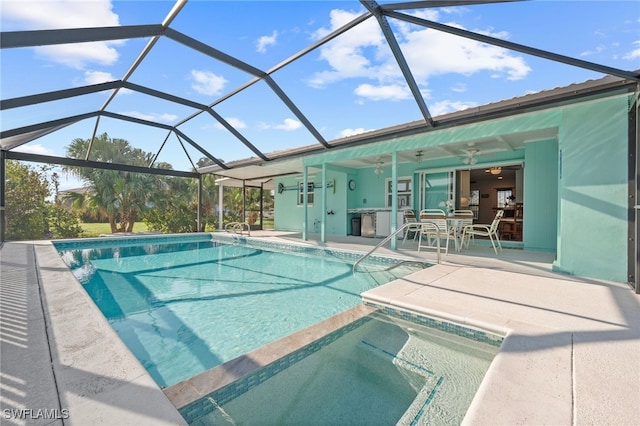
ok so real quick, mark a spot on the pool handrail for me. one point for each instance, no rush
(393, 234)
(238, 226)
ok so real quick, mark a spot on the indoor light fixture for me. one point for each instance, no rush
(378, 170)
(495, 170)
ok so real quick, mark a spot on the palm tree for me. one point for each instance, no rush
(120, 195)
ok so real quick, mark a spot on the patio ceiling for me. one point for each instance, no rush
(475, 148)
(263, 173)
(260, 163)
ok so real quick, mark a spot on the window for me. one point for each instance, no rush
(436, 188)
(474, 203)
(502, 196)
(301, 193)
(475, 197)
(405, 186)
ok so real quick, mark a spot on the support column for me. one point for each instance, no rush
(262, 206)
(244, 202)
(323, 222)
(3, 187)
(220, 207)
(633, 251)
(199, 219)
(394, 198)
(305, 193)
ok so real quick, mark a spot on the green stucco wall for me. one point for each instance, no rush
(289, 215)
(541, 195)
(592, 230)
(575, 185)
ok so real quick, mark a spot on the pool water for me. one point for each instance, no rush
(183, 306)
(379, 370)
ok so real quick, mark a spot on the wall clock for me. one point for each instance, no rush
(352, 184)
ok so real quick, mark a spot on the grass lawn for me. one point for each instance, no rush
(90, 230)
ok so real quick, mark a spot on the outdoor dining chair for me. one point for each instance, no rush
(459, 220)
(433, 227)
(482, 230)
(410, 217)
(512, 226)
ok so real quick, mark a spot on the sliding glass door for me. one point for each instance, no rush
(435, 189)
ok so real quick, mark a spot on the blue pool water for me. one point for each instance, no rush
(186, 304)
(388, 368)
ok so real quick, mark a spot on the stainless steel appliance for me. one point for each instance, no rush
(368, 225)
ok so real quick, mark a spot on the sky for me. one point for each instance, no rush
(348, 86)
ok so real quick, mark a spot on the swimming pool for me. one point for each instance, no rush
(388, 367)
(185, 304)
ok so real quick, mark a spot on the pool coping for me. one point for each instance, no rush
(203, 384)
(97, 378)
(556, 364)
(567, 358)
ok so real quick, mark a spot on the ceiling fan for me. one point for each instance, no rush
(378, 169)
(469, 155)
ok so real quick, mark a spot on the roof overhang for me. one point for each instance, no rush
(292, 161)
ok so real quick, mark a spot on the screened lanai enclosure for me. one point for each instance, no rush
(335, 110)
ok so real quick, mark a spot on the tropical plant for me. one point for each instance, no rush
(119, 195)
(26, 191)
(62, 223)
(171, 208)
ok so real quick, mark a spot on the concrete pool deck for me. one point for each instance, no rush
(571, 354)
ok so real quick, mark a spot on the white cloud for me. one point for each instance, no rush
(236, 123)
(393, 92)
(289, 124)
(598, 49)
(34, 149)
(79, 55)
(363, 53)
(459, 88)
(444, 107)
(207, 83)
(97, 77)
(52, 14)
(352, 132)
(347, 55)
(264, 41)
(163, 117)
(56, 14)
(429, 52)
(635, 53)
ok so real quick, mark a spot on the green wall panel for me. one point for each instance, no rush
(289, 215)
(575, 186)
(593, 190)
(540, 195)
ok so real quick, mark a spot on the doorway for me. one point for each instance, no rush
(495, 188)
(483, 190)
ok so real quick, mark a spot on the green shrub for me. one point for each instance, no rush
(26, 209)
(63, 223)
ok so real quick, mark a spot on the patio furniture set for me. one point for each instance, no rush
(432, 226)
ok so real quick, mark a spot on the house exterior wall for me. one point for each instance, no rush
(592, 226)
(289, 215)
(575, 185)
(540, 229)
